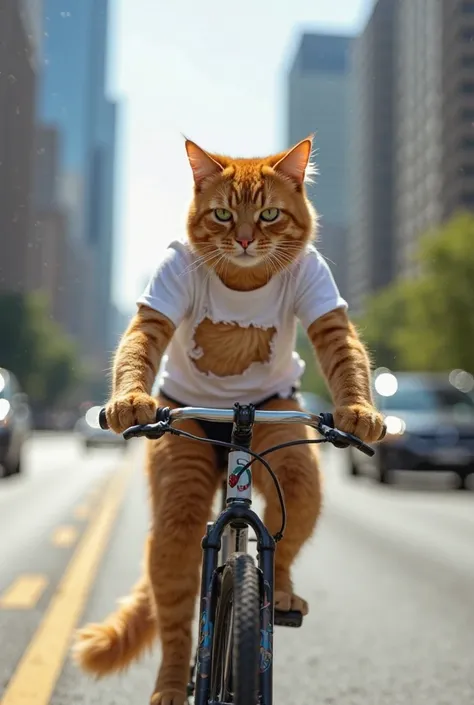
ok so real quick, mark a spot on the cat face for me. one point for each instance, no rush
(250, 217)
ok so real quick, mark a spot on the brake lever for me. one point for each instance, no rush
(150, 430)
(132, 432)
(341, 439)
(360, 445)
(336, 438)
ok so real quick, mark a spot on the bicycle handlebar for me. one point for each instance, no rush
(165, 417)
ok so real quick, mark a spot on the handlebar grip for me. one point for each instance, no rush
(103, 420)
(162, 414)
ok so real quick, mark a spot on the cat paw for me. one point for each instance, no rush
(362, 420)
(129, 410)
(286, 601)
(168, 697)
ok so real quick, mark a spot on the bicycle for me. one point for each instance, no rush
(234, 657)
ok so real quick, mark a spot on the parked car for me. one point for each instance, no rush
(430, 427)
(15, 423)
(91, 435)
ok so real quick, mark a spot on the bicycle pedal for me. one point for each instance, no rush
(293, 618)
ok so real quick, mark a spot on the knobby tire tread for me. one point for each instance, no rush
(240, 582)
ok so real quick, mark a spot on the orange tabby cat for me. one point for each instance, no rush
(225, 304)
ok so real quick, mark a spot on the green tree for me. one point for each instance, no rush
(428, 323)
(382, 322)
(35, 348)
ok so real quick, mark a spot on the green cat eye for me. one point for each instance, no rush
(270, 214)
(223, 214)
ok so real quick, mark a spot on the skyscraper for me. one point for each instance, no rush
(372, 152)
(434, 118)
(74, 101)
(101, 215)
(18, 75)
(318, 100)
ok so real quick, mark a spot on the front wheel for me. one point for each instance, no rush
(236, 647)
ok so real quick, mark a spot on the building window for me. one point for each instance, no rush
(468, 7)
(467, 143)
(467, 34)
(467, 114)
(467, 198)
(467, 61)
(467, 87)
(467, 170)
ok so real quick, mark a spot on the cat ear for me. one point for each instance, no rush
(296, 160)
(202, 164)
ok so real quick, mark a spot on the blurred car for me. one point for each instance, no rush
(15, 423)
(430, 427)
(91, 435)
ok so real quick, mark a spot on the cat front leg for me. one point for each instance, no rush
(346, 366)
(135, 367)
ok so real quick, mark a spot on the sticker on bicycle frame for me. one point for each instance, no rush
(239, 482)
(266, 630)
(205, 638)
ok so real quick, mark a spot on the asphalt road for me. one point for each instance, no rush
(389, 576)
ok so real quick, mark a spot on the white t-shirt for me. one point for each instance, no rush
(187, 293)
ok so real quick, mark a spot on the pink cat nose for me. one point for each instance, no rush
(245, 235)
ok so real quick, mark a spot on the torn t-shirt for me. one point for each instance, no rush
(188, 292)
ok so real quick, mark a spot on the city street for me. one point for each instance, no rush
(389, 577)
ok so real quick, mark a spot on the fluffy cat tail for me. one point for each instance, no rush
(111, 646)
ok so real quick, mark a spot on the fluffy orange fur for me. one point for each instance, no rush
(181, 473)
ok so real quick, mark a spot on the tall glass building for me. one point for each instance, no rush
(318, 102)
(73, 99)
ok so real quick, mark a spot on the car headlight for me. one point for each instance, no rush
(395, 426)
(92, 417)
(5, 407)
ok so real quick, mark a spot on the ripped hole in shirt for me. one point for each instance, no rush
(226, 349)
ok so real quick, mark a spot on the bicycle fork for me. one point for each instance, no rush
(235, 513)
(227, 534)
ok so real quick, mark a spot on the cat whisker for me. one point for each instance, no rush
(273, 262)
(200, 261)
(268, 271)
(281, 260)
(327, 258)
(288, 247)
(221, 257)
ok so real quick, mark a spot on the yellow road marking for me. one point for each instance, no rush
(94, 493)
(82, 511)
(24, 592)
(41, 664)
(97, 490)
(64, 536)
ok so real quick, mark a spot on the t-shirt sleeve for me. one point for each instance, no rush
(170, 289)
(316, 290)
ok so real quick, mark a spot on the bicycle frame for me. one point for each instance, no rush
(228, 533)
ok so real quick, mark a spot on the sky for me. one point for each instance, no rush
(214, 71)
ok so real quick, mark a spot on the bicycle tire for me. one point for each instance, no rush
(236, 647)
